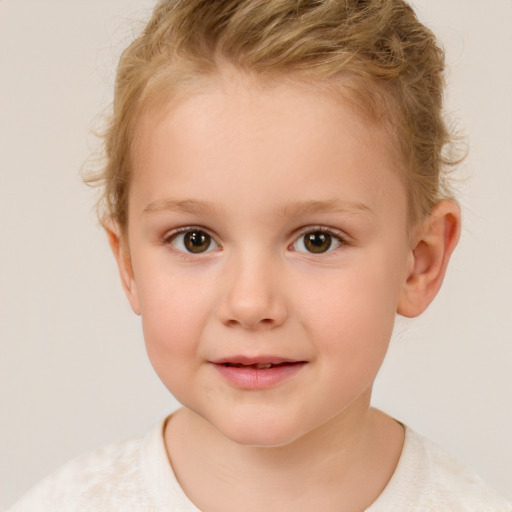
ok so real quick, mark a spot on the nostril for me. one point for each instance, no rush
(264, 322)
(251, 309)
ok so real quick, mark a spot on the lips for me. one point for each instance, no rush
(263, 360)
(257, 366)
(254, 373)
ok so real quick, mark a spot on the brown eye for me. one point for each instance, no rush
(197, 241)
(317, 242)
(194, 241)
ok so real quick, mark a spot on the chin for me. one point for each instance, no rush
(261, 439)
(259, 432)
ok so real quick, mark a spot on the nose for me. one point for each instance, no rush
(253, 297)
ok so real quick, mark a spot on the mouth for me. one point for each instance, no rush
(258, 373)
(259, 366)
(261, 362)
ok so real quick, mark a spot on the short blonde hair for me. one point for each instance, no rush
(388, 63)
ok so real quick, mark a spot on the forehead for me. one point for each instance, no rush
(229, 96)
(258, 137)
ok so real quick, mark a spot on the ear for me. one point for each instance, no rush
(119, 246)
(433, 243)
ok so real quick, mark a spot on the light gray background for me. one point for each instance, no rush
(73, 370)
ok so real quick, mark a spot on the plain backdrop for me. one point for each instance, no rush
(73, 369)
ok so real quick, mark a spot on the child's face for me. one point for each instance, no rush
(237, 193)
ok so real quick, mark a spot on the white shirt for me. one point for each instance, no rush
(136, 475)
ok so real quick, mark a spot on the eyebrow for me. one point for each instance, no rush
(184, 205)
(328, 206)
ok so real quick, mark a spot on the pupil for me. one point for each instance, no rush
(197, 241)
(317, 241)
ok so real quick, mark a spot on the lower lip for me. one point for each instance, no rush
(252, 378)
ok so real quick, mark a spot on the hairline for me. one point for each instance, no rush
(162, 95)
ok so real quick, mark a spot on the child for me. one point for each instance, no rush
(273, 195)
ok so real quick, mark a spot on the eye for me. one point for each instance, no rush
(193, 241)
(317, 241)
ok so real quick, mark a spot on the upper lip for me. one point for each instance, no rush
(250, 360)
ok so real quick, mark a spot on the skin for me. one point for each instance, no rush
(256, 168)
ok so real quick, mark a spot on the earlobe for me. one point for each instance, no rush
(124, 264)
(433, 245)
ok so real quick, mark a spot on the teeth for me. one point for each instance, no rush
(256, 366)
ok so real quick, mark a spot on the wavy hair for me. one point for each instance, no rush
(375, 51)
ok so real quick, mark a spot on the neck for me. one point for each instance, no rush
(343, 465)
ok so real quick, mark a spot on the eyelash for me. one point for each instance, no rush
(171, 237)
(334, 234)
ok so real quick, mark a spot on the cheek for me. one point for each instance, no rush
(351, 316)
(174, 311)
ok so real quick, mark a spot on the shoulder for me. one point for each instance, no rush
(429, 479)
(109, 478)
(456, 485)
